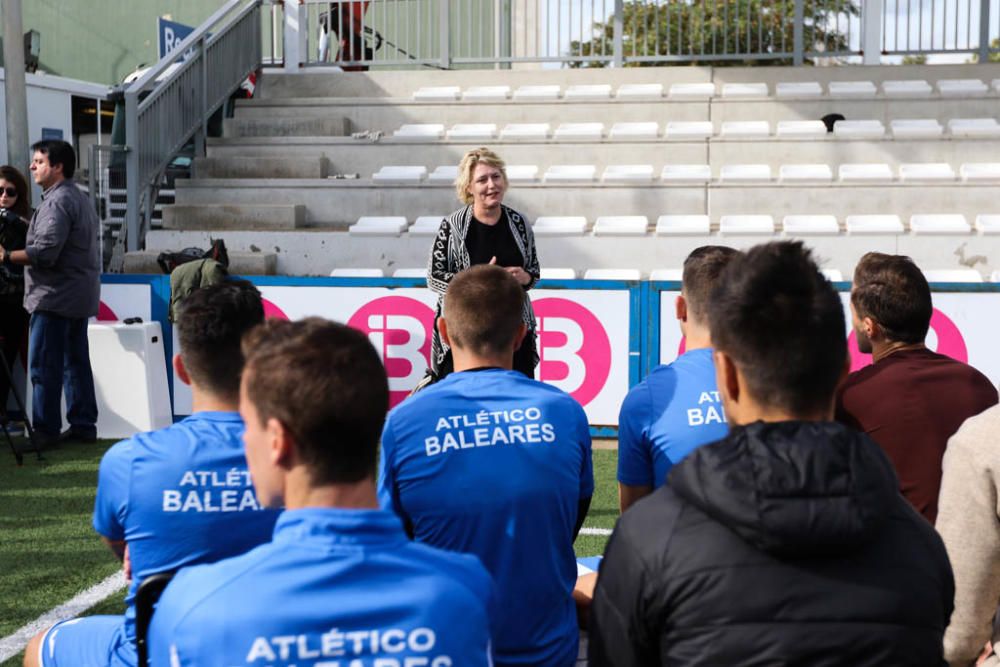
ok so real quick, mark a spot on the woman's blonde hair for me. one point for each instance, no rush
(468, 164)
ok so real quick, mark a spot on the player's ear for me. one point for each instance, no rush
(519, 338)
(180, 370)
(442, 327)
(681, 308)
(281, 443)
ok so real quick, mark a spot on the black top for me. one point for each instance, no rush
(484, 242)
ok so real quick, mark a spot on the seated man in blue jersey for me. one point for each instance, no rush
(490, 462)
(180, 495)
(341, 583)
(676, 408)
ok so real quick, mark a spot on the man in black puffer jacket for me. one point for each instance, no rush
(787, 542)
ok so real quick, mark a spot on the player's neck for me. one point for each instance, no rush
(206, 401)
(696, 337)
(465, 361)
(883, 349)
(300, 493)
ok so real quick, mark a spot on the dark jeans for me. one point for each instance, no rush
(13, 327)
(59, 359)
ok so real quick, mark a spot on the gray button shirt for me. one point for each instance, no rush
(64, 277)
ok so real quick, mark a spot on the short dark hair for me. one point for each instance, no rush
(23, 205)
(326, 384)
(483, 308)
(893, 291)
(58, 152)
(783, 324)
(702, 269)
(210, 326)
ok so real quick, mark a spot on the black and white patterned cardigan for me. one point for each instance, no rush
(449, 256)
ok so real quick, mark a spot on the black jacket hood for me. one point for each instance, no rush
(792, 488)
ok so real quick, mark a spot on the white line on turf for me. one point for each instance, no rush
(595, 531)
(15, 643)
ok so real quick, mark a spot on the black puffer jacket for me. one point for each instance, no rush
(783, 544)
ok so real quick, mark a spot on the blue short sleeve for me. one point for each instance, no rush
(635, 460)
(111, 503)
(388, 498)
(587, 470)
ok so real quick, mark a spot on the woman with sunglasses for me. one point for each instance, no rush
(15, 212)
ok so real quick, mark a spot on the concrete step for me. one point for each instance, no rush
(240, 263)
(341, 202)
(261, 167)
(264, 125)
(224, 213)
(315, 252)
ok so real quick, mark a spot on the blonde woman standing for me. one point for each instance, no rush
(484, 231)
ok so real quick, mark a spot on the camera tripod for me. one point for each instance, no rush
(5, 420)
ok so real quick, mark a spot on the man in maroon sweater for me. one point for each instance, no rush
(910, 400)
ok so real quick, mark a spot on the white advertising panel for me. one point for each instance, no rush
(121, 301)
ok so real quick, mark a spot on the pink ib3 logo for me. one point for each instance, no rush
(573, 348)
(949, 342)
(400, 328)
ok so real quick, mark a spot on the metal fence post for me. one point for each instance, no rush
(445, 28)
(618, 53)
(295, 35)
(984, 31)
(132, 212)
(202, 133)
(798, 32)
(871, 31)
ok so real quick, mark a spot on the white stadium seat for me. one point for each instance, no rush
(393, 225)
(445, 173)
(974, 127)
(988, 223)
(798, 89)
(612, 274)
(675, 275)
(807, 225)
(980, 171)
(628, 173)
(437, 93)
(579, 132)
(419, 131)
(525, 132)
(472, 132)
(746, 224)
(410, 273)
(357, 273)
(744, 90)
(798, 173)
(952, 276)
(691, 91)
(962, 87)
(926, 171)
(852, 89)
(621, 225)
(538, 93)
(640, 91)
(874, 224)
(833, 275)
(645, 130)
(426, 225)
(745, 129)
(549, 273)
(995, 277)
(865, 171)
(916, 128)
(686, 173)
(679, 129)
(906, 88)
(801, 129)
(675, 225)
(404, 175)
(522, 173)
(745, 173)
(858, 129)
(560, 226)
(600, 91)
(570, 173)
(941, 223)
(486, 93)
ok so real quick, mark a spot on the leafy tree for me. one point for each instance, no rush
(691, 28)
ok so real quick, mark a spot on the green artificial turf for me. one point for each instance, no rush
(604, 506)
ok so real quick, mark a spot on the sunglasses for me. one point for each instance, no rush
(10, 192)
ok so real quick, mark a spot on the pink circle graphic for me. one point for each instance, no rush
(573, 348)
(272, 311)
(105, 314)
(950, 342)
(400, 328)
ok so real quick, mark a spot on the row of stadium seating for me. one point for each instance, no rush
(735, 225)
(688, 91)
(903, 128)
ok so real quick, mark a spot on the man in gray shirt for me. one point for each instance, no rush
(62, 285)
